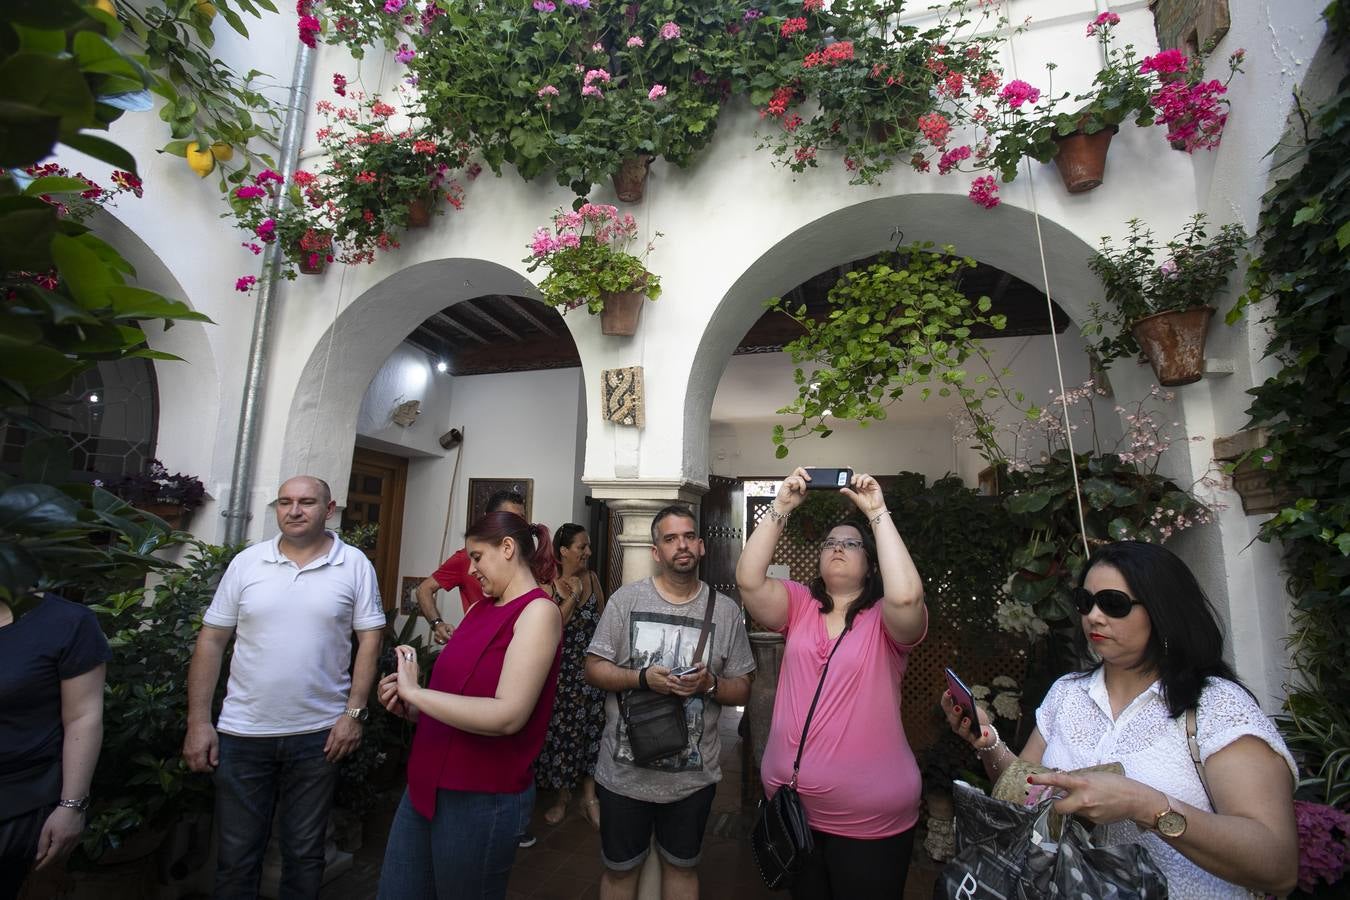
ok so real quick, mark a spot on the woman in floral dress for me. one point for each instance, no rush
(573, 740)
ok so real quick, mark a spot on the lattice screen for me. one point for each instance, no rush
(976, 650)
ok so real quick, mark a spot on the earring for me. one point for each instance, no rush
(1164, 646)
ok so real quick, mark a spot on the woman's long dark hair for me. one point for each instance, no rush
(871, 590)
(1185, 645)
(533, 541)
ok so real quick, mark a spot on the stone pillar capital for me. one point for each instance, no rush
(634, 502)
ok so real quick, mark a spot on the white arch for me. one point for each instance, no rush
(328, 392)
(1005, 239)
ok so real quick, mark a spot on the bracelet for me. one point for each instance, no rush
(776, 516)
(437, 621)
(992, 748)
(876, 520)
(642, 679)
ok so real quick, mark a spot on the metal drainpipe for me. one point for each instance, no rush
(237, 514)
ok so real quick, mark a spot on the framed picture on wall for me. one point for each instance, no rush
(480, 489)
(407, 597)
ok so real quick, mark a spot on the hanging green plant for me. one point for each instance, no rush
(902, 322)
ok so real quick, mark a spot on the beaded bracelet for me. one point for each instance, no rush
(776, 516)
(992, 748)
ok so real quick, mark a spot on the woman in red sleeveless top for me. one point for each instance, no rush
(480, 723)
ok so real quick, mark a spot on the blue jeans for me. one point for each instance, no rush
(252, 773)
(465, 852)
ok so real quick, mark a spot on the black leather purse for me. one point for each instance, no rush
(781, 839)
(656, 723)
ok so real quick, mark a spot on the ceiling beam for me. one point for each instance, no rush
(523, 310)
(491, 320)
(463, 329)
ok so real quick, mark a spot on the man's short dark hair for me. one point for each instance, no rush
(503, 497)
(675, 509)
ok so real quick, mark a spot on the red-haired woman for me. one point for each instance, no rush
(480, 723)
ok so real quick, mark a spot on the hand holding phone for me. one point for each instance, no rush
(963, 698)
(822, 479)
(681, 671)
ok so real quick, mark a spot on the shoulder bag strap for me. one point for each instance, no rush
(1193, 743)
(707, 620)
(806, 726)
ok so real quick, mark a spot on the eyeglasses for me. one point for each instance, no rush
(845, 544)
(1116, 604)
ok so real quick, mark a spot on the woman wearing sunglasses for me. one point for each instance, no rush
(858, 779)
(1160, 648)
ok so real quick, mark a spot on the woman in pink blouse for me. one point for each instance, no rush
(858, 779)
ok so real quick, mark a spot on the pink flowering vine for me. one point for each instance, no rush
(657, 92)
(952, 157)
(635, 41)
(935, 128)
(309, 28)
(670, 31)
(245, 284)
(984, 191)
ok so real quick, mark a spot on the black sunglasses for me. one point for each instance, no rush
(1116, 604)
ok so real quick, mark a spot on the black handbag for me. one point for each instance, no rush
(781, 839)
(656, 723)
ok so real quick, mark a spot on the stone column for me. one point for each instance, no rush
(635, 502)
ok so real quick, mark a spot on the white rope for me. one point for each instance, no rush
(1054, 338)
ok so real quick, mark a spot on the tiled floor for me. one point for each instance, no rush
(565, 864)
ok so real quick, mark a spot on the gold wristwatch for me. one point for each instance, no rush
(1169, 822)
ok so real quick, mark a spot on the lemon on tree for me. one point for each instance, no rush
(201, 161)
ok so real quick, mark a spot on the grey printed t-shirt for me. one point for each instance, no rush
(640, 628)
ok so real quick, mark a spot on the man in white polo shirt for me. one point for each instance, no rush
(295, 704)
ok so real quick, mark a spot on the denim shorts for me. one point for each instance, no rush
(626, 827)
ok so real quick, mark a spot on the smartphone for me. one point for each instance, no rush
(681, 671)
(964, 699)
(828, 479)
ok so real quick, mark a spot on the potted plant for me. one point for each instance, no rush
(298, 224)
(381, 178)
(586, 253)
(1158, 296)
(1118, 495)
(880, 89)
(902, 322)
(170, 497)
(1166, 89)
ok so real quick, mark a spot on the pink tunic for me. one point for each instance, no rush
(858, 777)
(471, 665)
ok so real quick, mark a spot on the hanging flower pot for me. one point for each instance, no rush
(419, 213)
(311, 263)
(631, 179)
(1081, 158)
(621, 313)
(1174, 343)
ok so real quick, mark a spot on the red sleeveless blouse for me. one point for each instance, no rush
(471, 665)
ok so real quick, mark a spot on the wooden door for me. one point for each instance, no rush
(375, 497)
(723, 532)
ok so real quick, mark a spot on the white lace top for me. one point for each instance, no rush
(1075, 720)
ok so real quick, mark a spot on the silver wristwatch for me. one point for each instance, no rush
(359, 715)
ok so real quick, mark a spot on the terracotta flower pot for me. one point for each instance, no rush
(1174, 343)
(172, 513)
(621, 313)
(311, 263)
(419, 213)
(1081, 158)
(631, 179)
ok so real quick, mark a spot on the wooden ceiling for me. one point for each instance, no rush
(500, 333)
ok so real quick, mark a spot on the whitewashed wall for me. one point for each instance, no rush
(736, 231)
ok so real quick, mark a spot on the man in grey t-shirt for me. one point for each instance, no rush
(647, 629)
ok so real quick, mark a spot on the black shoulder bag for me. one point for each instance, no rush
(657, 727)
(781, 839)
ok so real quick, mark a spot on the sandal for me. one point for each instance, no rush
(591, 810)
